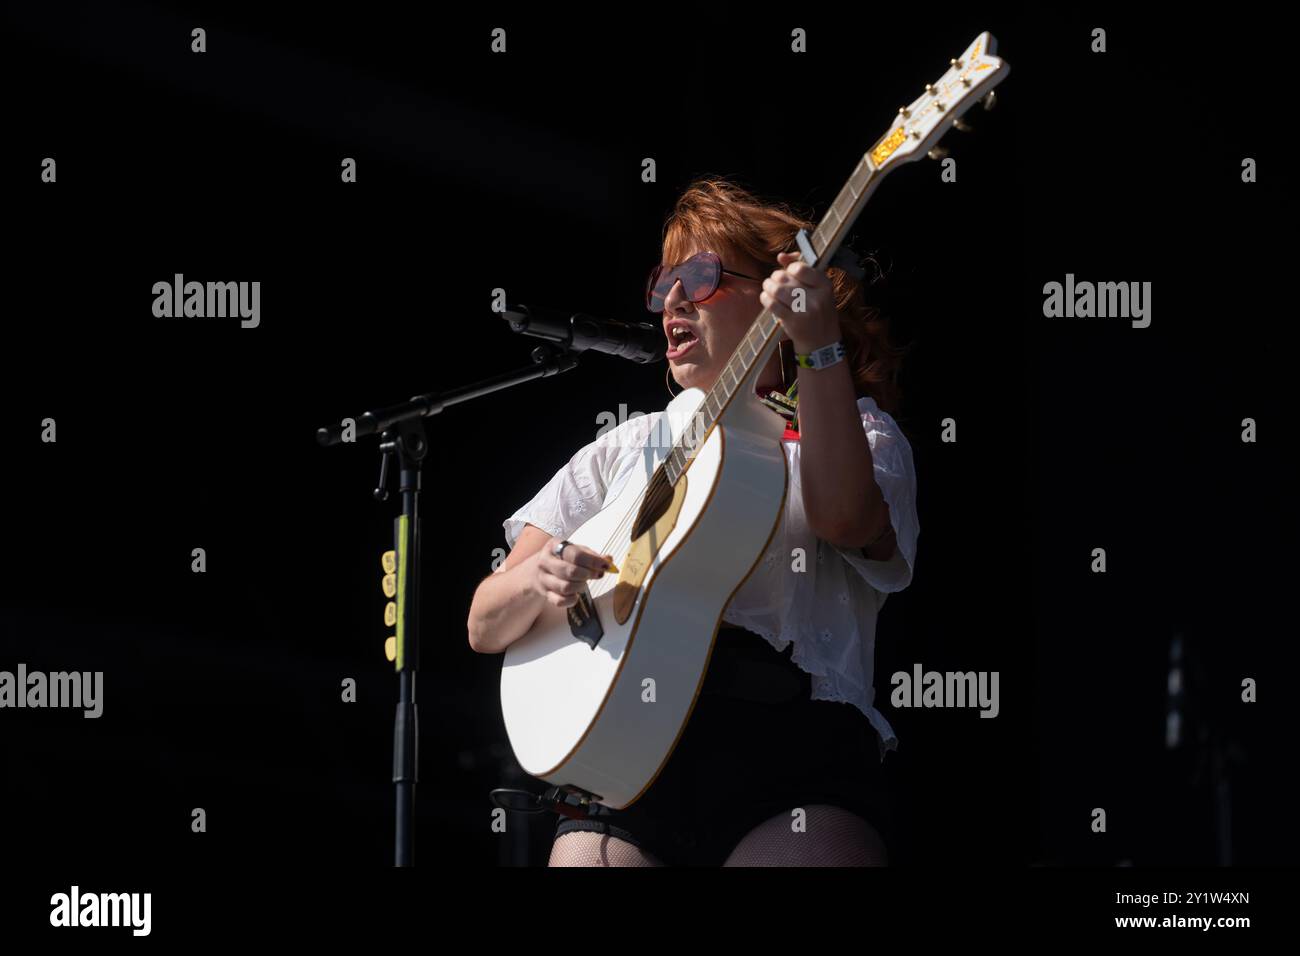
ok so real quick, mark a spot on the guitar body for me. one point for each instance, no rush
(584, 715)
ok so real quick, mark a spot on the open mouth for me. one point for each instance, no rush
(681, 339)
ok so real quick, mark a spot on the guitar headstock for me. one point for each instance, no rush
(923, 122)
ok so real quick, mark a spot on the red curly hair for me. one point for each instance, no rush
(716, 213)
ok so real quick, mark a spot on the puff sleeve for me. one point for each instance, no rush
(895, 473)
(573, 494)
(581, 487)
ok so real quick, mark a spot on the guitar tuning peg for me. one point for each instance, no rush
(962, 125)
(990, 101)
(390, 647)
(938, 152)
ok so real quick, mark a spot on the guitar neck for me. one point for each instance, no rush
(747, 361)
(969, 79)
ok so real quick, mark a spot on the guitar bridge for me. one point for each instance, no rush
(584, 624)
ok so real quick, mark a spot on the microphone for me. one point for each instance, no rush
(639, 342)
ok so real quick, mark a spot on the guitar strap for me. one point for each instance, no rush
(792, 426)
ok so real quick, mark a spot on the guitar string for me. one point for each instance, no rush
(655, 493)
(663, 491)
(651, 496)
(658, 491)
(625, 524)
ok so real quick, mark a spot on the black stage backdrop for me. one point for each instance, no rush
(523, 171)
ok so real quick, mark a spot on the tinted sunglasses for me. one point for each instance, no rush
(700, 276)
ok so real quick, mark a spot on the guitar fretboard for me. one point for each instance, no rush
(758, 342)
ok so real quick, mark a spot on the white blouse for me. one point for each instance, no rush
(828, 608)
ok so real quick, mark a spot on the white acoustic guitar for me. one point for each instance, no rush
(686, 531)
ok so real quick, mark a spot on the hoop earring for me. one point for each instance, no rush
(668, 381)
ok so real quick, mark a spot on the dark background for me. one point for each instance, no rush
(222, 690)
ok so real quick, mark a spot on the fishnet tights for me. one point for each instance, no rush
(833, 837)
(587, 848)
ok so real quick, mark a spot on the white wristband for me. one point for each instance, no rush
(823, 357)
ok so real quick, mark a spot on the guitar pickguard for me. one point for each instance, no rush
(636, 565)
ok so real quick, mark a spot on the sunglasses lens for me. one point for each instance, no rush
(657, 288)
(699, 274)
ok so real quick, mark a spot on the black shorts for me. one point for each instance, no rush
(755, 746)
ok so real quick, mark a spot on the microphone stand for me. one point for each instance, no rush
(401, 432)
